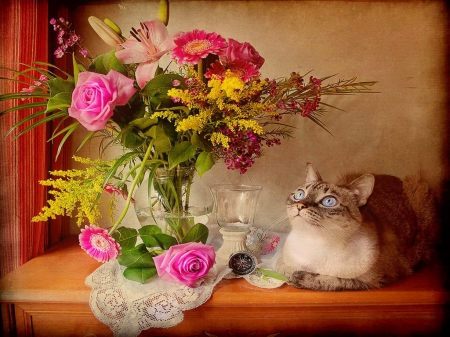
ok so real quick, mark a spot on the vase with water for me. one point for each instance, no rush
(175, 200)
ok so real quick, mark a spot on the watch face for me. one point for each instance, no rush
(242, 263)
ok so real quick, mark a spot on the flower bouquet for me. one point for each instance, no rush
(176, 103)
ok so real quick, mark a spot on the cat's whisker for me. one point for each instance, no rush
(277, 221)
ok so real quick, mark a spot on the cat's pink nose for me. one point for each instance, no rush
(301, 206)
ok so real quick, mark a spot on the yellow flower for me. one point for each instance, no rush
(190, 123)
(167, 114)
(244, 124)
(216, 90)
(75, 191)
(233, 87)
(220, 139)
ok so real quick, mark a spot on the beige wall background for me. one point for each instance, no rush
(401, 130)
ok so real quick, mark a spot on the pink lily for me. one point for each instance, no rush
(146, 46)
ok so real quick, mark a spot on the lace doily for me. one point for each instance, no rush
(129, 307)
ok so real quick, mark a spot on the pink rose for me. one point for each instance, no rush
(96, 95)
(185, 263)
(244, 52)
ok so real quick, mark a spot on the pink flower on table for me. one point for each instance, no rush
(98, 243)
(242, 51)
(272, 243)
(186, 263)
(244, 70)
(96, 95)
(195, 45)
(146, 46)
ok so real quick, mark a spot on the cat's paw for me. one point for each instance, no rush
(303, 279)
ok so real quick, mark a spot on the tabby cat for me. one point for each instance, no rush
(363, 232)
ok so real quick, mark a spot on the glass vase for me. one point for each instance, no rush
(235, 205)
(234, 209)
(175, 200)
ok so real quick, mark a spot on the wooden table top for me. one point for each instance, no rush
(59, 275)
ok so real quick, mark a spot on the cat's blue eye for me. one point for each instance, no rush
(329, 201)
(299, 195)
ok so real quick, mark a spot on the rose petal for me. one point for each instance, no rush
(185, 263)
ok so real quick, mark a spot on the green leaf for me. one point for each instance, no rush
(58, 85)
(137, 256)
(204, 163)
(61, 101)
(124, 114)
(197, 141)
(147, 234)
(139, 274)
(198, 233)
(130, 139)
(181, 152)
(125, 237)
(104, 63)
(160, 84)
(162, 142)
(39, 122)
(144, 123)
(165, 241)
(76, 70)
(169, 129)
(272, 274)
(118, 162)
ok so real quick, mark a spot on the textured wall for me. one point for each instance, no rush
(402, 45)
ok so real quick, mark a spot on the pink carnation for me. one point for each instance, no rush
(96, 95)
(98, 243)
(186, 263)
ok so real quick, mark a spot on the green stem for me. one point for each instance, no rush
(130, 172)
(130, 193)
(200, 69)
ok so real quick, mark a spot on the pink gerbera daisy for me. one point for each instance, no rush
(195, 45)
(98, 243)
(244, 70)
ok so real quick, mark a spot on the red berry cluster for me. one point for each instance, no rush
(244, 148)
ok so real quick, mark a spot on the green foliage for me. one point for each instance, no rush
(125, 237)
(272, 274)
(204, 163)
(106, 62)
(161, 142)
(181, 152)
(137, 256)
(58, 85)
(139, 274)
(138, 259)
(139, 263)
(198, 233)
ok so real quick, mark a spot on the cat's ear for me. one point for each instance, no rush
(312, 175)
(362, 188)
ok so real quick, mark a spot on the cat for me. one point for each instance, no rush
(366, 231)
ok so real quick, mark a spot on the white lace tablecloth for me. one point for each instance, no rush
(129, 307)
